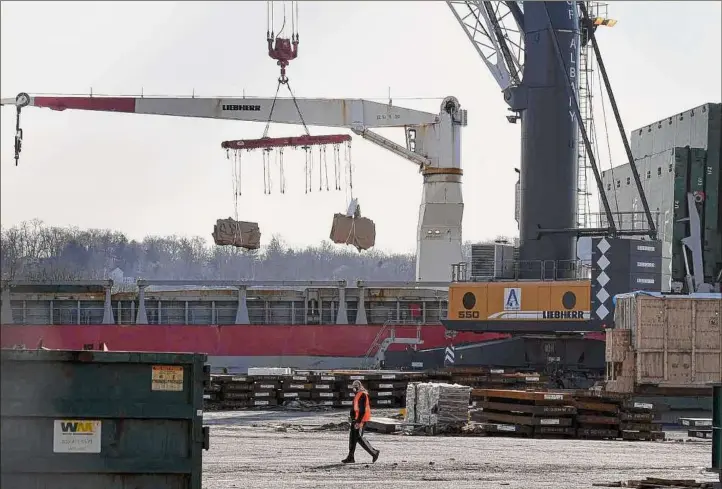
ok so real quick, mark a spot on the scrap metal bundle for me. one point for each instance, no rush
(434, 404)
(241, 234)
(357, 231)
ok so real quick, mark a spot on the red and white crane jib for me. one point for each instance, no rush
(355, 114)
(348, 113)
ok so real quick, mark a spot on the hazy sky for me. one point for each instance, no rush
(160, 175)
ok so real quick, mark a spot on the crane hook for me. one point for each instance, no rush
(22, 100)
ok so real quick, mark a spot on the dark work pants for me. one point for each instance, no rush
(357, 436)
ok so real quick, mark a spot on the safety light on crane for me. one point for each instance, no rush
(605, 22)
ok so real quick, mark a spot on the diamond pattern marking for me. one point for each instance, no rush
(603, 279)
(603, 245)
(602, 295)
(603, 262)
(602, 312)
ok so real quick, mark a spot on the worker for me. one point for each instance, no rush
(360, 414)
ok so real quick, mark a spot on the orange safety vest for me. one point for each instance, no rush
(367, 411)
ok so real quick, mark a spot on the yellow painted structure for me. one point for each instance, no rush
(520, 301)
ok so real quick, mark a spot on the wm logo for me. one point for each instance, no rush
(76, 426)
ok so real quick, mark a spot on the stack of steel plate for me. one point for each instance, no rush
(296, 387)
(697, 427)
(597, 417)
(265, 390)
(638, 422)
(323, 390)
(524, 412)
(490, 378)
(229, 392)
(388, 390)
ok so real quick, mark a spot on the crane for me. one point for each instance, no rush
(433, 144)
(535, 62)
(433, 141)
(532, 50)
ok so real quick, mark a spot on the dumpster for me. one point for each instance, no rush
(111, 420)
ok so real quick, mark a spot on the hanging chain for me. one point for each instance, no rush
(325, 165)
(235, 178)
(308, 168)
(270, 114)
(349, 166)
(267, 182)
(281, 173)
(320, 170)
(298, 109)
(263, 163)
(337, 166)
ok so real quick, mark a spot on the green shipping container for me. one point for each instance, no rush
(110, 420)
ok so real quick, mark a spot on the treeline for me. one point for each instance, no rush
(34, 251)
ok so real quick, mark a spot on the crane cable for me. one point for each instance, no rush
(294, 27)
(295, 103)
(609, 148)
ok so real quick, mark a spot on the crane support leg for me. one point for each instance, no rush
(438, 244)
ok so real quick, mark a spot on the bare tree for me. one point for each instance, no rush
(34, 251)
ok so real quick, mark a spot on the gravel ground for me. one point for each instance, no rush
(275, 449)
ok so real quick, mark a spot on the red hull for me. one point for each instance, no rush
(232, 340)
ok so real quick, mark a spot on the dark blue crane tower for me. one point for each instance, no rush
(545, 97)
(548, 173)
(542, 91)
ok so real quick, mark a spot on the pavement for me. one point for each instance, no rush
(286, 449)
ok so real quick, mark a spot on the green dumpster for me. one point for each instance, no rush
(94, 419)
(717, 429)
